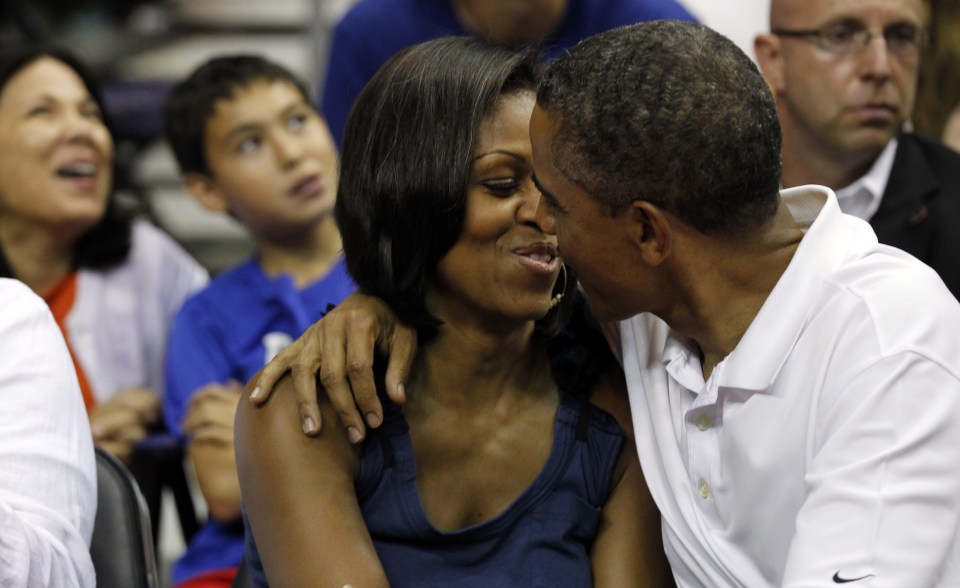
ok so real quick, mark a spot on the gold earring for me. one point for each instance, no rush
(555, 301)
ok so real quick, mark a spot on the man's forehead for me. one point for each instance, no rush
(787, 13)
(541, 134)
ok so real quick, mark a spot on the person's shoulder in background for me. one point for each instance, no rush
(48, 496)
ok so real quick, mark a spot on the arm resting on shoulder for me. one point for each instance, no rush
(300, 498)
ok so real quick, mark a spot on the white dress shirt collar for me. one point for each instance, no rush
(862, 198)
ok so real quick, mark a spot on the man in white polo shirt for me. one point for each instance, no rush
(795, 386)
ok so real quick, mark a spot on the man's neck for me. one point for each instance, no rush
(807, 160)
(725, 284)
(510, 23)
(811, 165)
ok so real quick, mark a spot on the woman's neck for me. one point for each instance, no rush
(37, 257)
(469, 369)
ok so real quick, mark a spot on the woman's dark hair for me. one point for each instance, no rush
(407, 147)
(107, 243)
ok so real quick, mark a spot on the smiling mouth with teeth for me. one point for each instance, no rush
(541, 257)
(77, 170)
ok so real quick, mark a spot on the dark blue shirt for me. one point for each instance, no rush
(373, 30)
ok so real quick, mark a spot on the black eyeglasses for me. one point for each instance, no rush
(847, 38)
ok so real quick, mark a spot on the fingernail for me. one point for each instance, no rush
(372, 419)
(401, 391)
(255, 394)
(354, 435)
(309, 425)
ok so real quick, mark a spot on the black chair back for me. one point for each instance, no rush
(122, 546)
(243, 579)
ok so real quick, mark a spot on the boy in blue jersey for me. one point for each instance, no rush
(249, 144)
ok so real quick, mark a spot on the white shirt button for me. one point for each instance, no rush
(703, 422)
(702, 489)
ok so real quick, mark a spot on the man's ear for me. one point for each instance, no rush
(769, 55)
(651, 231)
(206, 191)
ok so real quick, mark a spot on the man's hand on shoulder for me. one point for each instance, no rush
(339, 350)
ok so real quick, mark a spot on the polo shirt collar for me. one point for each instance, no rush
(758, 357)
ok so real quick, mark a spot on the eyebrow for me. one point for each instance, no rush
(86, 100)
(498, 152)
(239, 131)
(253, 126)
(853, 19)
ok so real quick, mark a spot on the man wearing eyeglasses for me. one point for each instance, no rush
(844, 74)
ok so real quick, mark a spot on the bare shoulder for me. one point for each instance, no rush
(610, 394)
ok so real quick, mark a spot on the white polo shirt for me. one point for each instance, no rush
(826, 447)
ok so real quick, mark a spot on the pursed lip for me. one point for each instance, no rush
(539, 257)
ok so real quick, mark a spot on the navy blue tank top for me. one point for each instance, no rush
(543, 539)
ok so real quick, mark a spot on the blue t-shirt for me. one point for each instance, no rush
(230, 330)
(373, 30)
(542, 539)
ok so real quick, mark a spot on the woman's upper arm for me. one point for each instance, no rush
(628, 550)
(300, 498)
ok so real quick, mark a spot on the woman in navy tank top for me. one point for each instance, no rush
(497, 470)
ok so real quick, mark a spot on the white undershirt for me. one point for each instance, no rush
(862, 198)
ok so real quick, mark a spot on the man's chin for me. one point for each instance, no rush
(874, 137)
(864, 145)
(603, 312)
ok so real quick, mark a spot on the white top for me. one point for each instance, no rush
(826, 446)
(48, 491)
(862, 198)
(121, 318)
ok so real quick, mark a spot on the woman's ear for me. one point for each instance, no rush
(206, 191)
(650, 231)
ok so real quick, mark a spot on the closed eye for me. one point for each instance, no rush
(504, 187)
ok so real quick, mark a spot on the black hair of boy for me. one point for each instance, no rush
(193, 100)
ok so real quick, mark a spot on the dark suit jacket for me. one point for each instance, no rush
(920, 210)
